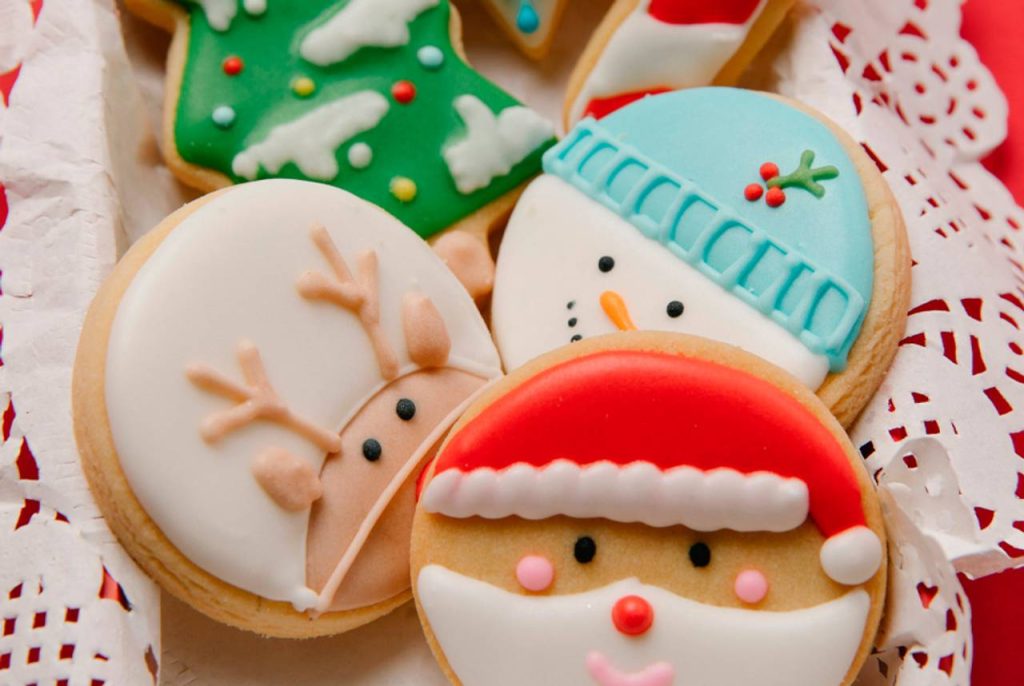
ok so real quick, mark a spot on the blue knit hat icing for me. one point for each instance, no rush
(676, 165)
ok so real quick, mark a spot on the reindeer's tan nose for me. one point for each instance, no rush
(615, 307)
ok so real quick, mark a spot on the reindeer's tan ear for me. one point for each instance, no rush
(426, 336)
(469, 259)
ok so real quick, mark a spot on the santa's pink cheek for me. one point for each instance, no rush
(535, 573)
(751, 586)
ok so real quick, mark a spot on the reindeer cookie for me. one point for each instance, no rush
(648, 509)
(367, 95)
(645, 47)
(718, 212)
(256, 388)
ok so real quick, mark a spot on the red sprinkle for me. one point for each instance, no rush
(753, 192)
(233, 65)
(775, 197)
(404, 92)
(769, 170)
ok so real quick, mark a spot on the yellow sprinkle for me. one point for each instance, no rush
(303, 86)
(403, 188)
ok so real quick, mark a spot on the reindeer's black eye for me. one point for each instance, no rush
(674, 309)
(584, 550)
(606, 263)
(700, 554)
(406, 409)
(372, 449)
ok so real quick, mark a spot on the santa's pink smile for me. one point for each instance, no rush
(604, 673)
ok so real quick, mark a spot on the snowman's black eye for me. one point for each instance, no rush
(700, 554)
(606, 263)
(405, 409)
(674, 309)
(372, 449)
(584, 550)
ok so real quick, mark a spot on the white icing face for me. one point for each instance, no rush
(230, 272)
(490, 637)
(562, 252)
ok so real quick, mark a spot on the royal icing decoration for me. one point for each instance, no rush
(493, 144)
(647, 220)
(485, 631)
(311, 141)
(664, 45)
(259, 345)
(530, 23)
(309, 81)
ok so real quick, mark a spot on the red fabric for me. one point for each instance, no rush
(998, 601)
(679, 411)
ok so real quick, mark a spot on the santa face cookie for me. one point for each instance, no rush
(648, 509)
(645, 47)
(717, 212)
(367, 95)
(257, 385)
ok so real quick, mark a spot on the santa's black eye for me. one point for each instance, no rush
(674, 309)
(372, 449)
(406, 409)
(700, 555)
(606, 264)
(585, 549)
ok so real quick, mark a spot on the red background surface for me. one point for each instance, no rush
(994, 27)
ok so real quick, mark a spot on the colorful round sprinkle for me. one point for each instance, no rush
(775, 197)
(233, 65)
(255, 7)
(223, 116)
(303, 86)
(527, 19)
(403, 92)
(430, 57)
(360, 155)
(753, 192)
(769, 170)
(403, 188)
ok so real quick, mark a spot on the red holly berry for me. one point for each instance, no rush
(404, 92)
(775, 197)
(233, 65)
(753, 192)
(769, 170)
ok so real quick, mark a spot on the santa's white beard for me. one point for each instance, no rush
(492, 637)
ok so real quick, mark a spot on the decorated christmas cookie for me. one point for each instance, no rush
(367, 95)
(257, 386)
(530, 24)
(651, 46)
(648, 509)
(719, 212)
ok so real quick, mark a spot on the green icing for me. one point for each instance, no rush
(407, 142)
(805, 176)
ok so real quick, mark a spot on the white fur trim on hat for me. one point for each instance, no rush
(638, 492)
(853, 556)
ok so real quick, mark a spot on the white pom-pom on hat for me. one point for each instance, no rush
(853, 556)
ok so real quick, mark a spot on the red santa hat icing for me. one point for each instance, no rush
(660, 439)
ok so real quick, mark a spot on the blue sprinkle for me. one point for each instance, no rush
(527, 20)
(224, 116)
(431, 57)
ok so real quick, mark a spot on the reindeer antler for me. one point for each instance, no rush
(256, 400)
(359, 295)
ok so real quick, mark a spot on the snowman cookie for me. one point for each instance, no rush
(718, 212)
(648, 509)
(645, 47)
(371, 96)
(257, 386)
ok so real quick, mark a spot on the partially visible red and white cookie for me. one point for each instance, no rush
(649, 509)
(257, 385)
(645, 47)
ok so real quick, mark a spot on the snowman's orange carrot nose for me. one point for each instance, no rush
(615, 307)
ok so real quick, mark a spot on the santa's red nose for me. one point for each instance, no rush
(632, 615)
